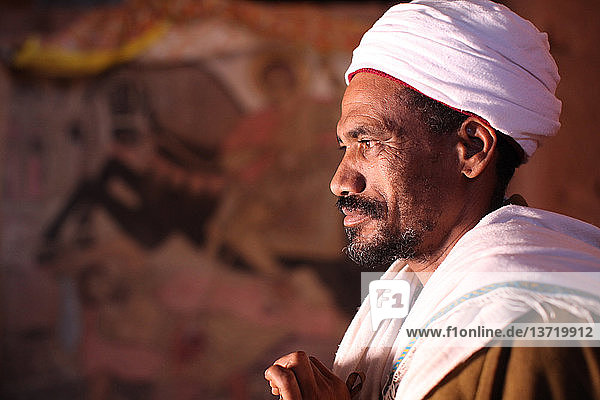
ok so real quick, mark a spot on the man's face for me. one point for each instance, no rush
(397, 182)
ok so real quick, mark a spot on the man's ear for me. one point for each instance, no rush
(476, 146)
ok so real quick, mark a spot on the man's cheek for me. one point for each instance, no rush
(393, 158)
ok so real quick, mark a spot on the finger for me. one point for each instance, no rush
(274, 389)
(321, 367)
(283, 382)
(302, 368)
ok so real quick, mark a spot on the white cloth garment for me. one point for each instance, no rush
(473, 55)
(503, 268)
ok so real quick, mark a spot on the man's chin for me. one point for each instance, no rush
(367, 256)
(381, 250)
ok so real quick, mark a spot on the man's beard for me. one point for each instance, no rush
(387, 245)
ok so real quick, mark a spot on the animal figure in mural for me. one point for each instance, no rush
(167, 197)
(251, 195)
(153, 181)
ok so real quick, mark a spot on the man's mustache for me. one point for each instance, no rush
(372, 208)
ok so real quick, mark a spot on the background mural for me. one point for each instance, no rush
(166, 226)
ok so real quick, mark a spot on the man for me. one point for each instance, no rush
(444, 100)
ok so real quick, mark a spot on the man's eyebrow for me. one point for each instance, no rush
(390, 126)
(359, 131)
(354, 133)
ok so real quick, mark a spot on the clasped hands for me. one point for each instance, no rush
(297, 376)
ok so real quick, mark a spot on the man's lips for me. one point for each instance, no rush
(353, 218)
(359, 210)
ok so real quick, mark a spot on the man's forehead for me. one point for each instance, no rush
(371, 99)
(371, 88)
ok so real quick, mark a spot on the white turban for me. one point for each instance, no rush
(473, 55)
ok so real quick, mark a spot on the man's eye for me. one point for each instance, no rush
(367, 143)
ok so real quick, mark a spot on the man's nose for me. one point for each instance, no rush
(347, 180)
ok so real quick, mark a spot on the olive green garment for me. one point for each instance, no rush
(517, 373)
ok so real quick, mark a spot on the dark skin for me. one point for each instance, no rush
(437, 186)
(297, 376)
